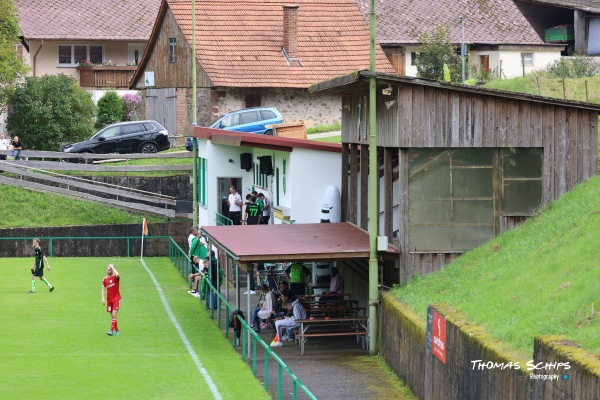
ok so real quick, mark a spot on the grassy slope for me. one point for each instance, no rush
(56, 346)
(28, 208)
(542, 277)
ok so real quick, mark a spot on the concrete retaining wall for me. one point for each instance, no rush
(67, 247)
(475, 366)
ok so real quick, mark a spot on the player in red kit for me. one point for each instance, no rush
(113, 296)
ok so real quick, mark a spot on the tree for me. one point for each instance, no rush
(110, 109)
(12, 68)
(437, 50)
(51, 111)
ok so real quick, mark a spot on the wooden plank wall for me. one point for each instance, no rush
(173, 75)
(425, 116)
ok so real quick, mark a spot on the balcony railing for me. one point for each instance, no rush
(106, 76)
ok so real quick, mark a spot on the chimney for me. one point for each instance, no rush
(290, 31)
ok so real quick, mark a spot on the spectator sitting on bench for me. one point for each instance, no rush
(335, 286)
(284, 311)
(289, 323)
(265, 310)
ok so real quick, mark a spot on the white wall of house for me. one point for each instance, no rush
(307, 175)
(511, 60)
(311, 173)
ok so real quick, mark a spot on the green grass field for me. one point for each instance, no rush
(540, 278)
(54, 345)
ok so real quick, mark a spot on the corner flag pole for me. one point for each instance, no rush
(144, 233)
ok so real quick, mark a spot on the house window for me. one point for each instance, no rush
(72, 55)
(528, 59)
(202, 162)
(413, 57)
(172, 50)
(452, 194)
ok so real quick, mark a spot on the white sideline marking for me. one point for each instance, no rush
(184, 339)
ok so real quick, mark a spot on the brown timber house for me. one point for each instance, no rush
(458, 165)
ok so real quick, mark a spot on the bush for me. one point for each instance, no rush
(50, 111)
(132, 107)
(437, 50)
(577, 66)
(110, 109)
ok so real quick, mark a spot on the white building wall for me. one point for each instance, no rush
(301, 184)
(311, 173)
(511, 63)
(511, 60)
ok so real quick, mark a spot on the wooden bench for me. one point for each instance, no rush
(329, 303)
(321, 327)
(309, 297)
(335, 312)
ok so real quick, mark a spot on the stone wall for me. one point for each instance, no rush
(178, 186)
(94, 245)
(293, 104)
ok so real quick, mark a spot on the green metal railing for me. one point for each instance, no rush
(221, 220)
(176, 255)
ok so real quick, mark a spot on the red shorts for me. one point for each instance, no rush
(114, 305)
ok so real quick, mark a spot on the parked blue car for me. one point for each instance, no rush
(251, 120)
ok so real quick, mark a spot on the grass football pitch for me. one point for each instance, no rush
(55, 346)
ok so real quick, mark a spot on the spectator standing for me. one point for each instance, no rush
(198, 252)
(3, 145)
(216, 279)
(253, 214)
(266, 214)
(234, 201)
(191, 237)
(17, 146)
(298, 276)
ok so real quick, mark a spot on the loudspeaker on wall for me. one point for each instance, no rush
(266, 166)
(246, 161)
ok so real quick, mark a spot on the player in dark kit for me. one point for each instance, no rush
(38, 269)
(113, 296)
(253, 212)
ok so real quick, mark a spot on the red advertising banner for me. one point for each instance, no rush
(438, 345)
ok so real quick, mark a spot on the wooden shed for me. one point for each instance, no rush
(457, 164)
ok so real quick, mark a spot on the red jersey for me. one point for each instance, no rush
(111, 283)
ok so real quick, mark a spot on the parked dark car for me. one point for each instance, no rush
(125, 137)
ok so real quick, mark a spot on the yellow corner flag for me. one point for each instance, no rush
(144, 228)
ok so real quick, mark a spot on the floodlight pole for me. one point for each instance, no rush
(194, 119)
(373, 178)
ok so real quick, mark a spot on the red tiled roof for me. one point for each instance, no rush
(486, 22)
(87, 19)
(294, 242)
(263, 141)
(239, 42)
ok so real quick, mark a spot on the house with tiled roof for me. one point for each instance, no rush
(251, 53)
(496, 34)
(572, 22)
(58, 35)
